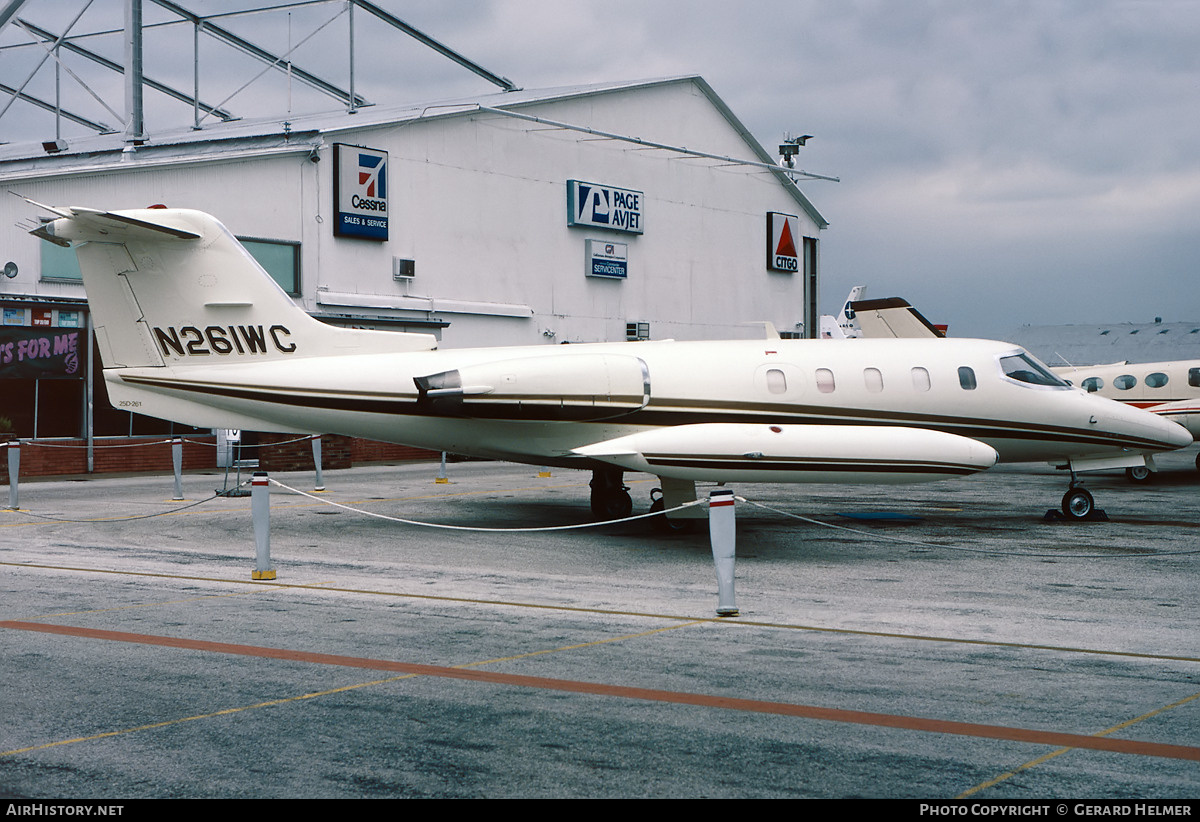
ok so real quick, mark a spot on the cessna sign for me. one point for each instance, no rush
(360, 192)
(781, 242)
(597, 206)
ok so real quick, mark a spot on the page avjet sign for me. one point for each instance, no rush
(599, 206)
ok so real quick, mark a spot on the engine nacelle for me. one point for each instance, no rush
(576, 387)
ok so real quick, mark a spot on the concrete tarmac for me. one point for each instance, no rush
(931, 641)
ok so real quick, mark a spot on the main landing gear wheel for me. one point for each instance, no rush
(610, 495)
(1078, 503)
(1139, 473)
(665, 524)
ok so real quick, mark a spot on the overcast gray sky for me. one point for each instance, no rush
(1001, 162)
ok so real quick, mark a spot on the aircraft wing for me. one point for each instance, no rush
(749, 452)
(891, 317)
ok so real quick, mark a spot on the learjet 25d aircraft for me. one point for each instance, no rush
(190, 328)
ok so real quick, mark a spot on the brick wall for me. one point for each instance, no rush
(64, 457)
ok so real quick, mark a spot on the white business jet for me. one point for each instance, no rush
(1169, 389)
(191, 329)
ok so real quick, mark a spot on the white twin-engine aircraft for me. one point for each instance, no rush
(191, 329)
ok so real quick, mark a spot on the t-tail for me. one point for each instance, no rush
(174, 289)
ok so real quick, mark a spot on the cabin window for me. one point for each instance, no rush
(1156, 380)
(1194, 377)
(920, 379)
(1092, 384)
(966, 377)
(825, 382)
(1125, 382)
(776, 381)
(1024, 368)
(874, 380)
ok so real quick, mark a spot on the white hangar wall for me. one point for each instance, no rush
(478, 200)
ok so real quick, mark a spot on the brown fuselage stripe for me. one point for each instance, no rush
(660, 413)
(911, 723)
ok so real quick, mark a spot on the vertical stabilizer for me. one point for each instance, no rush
(175, 287)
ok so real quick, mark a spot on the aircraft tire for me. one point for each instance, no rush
(612, 505)
(666, 525)
(1139, 474)
(1078, 503)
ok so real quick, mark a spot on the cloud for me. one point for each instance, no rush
(995, 157)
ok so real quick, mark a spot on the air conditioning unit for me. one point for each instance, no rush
(403, 269)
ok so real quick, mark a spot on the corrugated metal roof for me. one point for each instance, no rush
(1110, 343)
(301, 132)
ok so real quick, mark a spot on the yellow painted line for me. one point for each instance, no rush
(727, 621)
(327, 692)
(601, 689)
(1047, 757)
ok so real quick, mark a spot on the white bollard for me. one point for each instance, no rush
(14, 470)
(722, 533)
(441, 477)
(260, 512)
(319, 484)
(177, 464)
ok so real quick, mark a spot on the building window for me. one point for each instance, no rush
(635, 331)
(59, 263)
(280, 259)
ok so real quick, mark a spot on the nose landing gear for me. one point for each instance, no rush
(1078, 503)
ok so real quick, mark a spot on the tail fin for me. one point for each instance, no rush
(174, 287)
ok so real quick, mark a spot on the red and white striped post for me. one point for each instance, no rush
(722, 533)
(260, 512)
(14, 470)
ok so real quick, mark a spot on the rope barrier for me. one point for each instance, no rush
(110, 444)
(922, 544)
(48, 518)
(41, 444)
(478, 528)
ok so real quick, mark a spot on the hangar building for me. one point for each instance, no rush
(593, 213)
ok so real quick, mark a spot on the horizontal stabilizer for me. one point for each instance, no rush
(90, 225)
(891, 317)
(720, 452)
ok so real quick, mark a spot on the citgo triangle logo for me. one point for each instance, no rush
(781, 242)
(369, 176)
(787, 246)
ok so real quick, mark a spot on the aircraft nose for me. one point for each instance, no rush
(1178, 436)
(1170, 434)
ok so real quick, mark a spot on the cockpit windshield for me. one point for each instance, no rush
(1024, 368)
